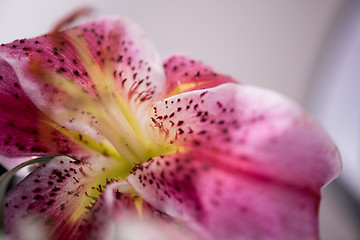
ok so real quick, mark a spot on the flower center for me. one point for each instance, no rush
(116, 127)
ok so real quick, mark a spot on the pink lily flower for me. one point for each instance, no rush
(151, 149)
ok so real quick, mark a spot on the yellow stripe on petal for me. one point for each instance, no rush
(62, 194)
(185, 87)
(118, 110)
(116, 170)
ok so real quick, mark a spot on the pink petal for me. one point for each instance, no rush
(118, 217)
(111, 50)
(50, 197)
(135, 64)
(61, 195)
(251, 164)
(265, 132)
(185, 74)
(25, 130)
(227, 203)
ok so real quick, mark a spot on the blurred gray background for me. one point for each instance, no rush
(294, 47)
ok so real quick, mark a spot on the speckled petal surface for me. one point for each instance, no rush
(226, 203)
(185, 74)
(59, 196)
(252, 129)
(105, 62)
(243, 148)
(25, 130)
